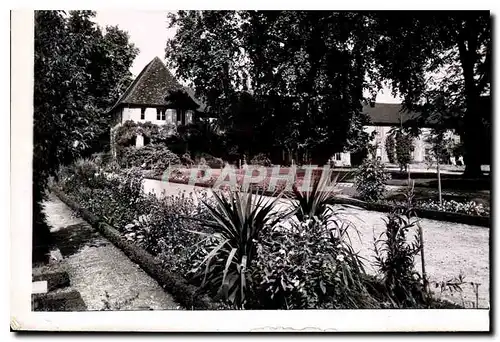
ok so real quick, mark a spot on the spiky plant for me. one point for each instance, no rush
(237, 219)
(395, 260)
(317, 201)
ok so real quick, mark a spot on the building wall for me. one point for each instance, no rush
(420, 146)
(150, 114)
(121, 115)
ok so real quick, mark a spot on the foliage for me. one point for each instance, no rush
(394, 256)
(390, 146)
(210, 161)
(160, 225)
(441, 143)
(261, 159)
(317, 201)
(126, 134)
(237, 220)
(117, 197)
(79, 73)
(441, 67)
(469, 208)
(305, 265)
(186, 160)
(201, 137)
(404, 147)
(294, 72)
(152, 156)
(243, 250)
(165, 231)
(370, 180)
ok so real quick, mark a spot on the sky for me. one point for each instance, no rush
(148, 31)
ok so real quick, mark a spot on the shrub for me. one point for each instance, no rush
(389, 148)
(236, 220)
(102, 158)
(116, 198)
(306, 265)
(186, 160)
(215, 163)
(166, 231)
(370, 180)
(154, 157)
(211, 161)
(261, 159)
(125, 135)
(81, 173)
(394, 258)
(469, 208)
(404, 148)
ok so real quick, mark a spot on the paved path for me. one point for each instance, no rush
(104, 276)
(450, 248)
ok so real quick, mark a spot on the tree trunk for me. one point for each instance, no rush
(439, 182)
(472, 145)
(473, 124)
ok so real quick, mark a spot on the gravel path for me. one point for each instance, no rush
(104, 276)
(450, 248)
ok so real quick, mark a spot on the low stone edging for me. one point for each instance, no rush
(483, 221)
(184, 293)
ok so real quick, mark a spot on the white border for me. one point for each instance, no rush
(23, 318)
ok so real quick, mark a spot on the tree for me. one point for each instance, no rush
(389, 148)
(440, 63)
(402, 140)
(77, 76)
(404, 148)
(441, 146)
(305, 70)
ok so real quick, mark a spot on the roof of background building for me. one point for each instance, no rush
(388, 114)
(151, 87)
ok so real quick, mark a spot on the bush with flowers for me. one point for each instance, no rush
(469, 208)
(308, 265)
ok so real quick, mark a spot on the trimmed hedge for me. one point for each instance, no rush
(184, 293)
(483, 221)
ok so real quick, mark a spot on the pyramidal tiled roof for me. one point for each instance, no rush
(151, 86)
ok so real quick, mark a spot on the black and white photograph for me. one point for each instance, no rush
(253, 164)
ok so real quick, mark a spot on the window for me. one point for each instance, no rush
(337, 156)
(163, 114)
(178, 116)
(170, 115)
(158, 112)
(189, 116)
(143, 113)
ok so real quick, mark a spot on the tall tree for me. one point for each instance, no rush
(78, 74)
(440, 62)
(307, 71)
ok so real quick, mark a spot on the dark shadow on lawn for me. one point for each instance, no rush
(72, 238)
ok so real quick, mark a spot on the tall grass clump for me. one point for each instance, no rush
(316, 202)
(237, 220)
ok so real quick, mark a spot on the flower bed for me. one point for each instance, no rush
(468, 208)
(471, 213)
(236, 248)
